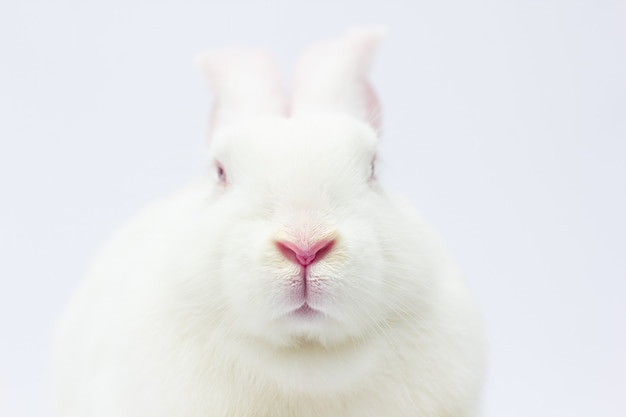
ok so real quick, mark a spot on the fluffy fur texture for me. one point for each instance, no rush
(192, 310)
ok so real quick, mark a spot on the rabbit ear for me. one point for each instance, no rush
(245, 82)
(331, 77)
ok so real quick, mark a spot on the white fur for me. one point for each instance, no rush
(187, 310)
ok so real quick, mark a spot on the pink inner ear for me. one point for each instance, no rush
(213, 115)
(372, 106)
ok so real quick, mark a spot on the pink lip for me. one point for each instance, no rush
(305, 311)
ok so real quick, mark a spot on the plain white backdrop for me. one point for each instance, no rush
(505, 124)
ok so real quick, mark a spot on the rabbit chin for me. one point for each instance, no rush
(303, 329)
(314, 357)
(315, 350)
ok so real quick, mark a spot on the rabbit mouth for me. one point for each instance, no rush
(305, 310)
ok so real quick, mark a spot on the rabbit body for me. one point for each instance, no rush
(196, 309)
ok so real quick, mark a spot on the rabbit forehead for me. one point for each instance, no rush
(320, 140)
(332, 131)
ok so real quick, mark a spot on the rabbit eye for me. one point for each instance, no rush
(221, 174)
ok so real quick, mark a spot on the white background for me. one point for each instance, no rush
(505, 124)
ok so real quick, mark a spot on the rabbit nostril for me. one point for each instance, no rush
(287, 252)
(305, 255)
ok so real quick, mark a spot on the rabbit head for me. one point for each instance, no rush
(305, 236)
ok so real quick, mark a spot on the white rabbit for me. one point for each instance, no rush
(288, 283)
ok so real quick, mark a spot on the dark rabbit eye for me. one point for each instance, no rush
(221, 174)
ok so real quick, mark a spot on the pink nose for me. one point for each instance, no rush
(305, 255)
